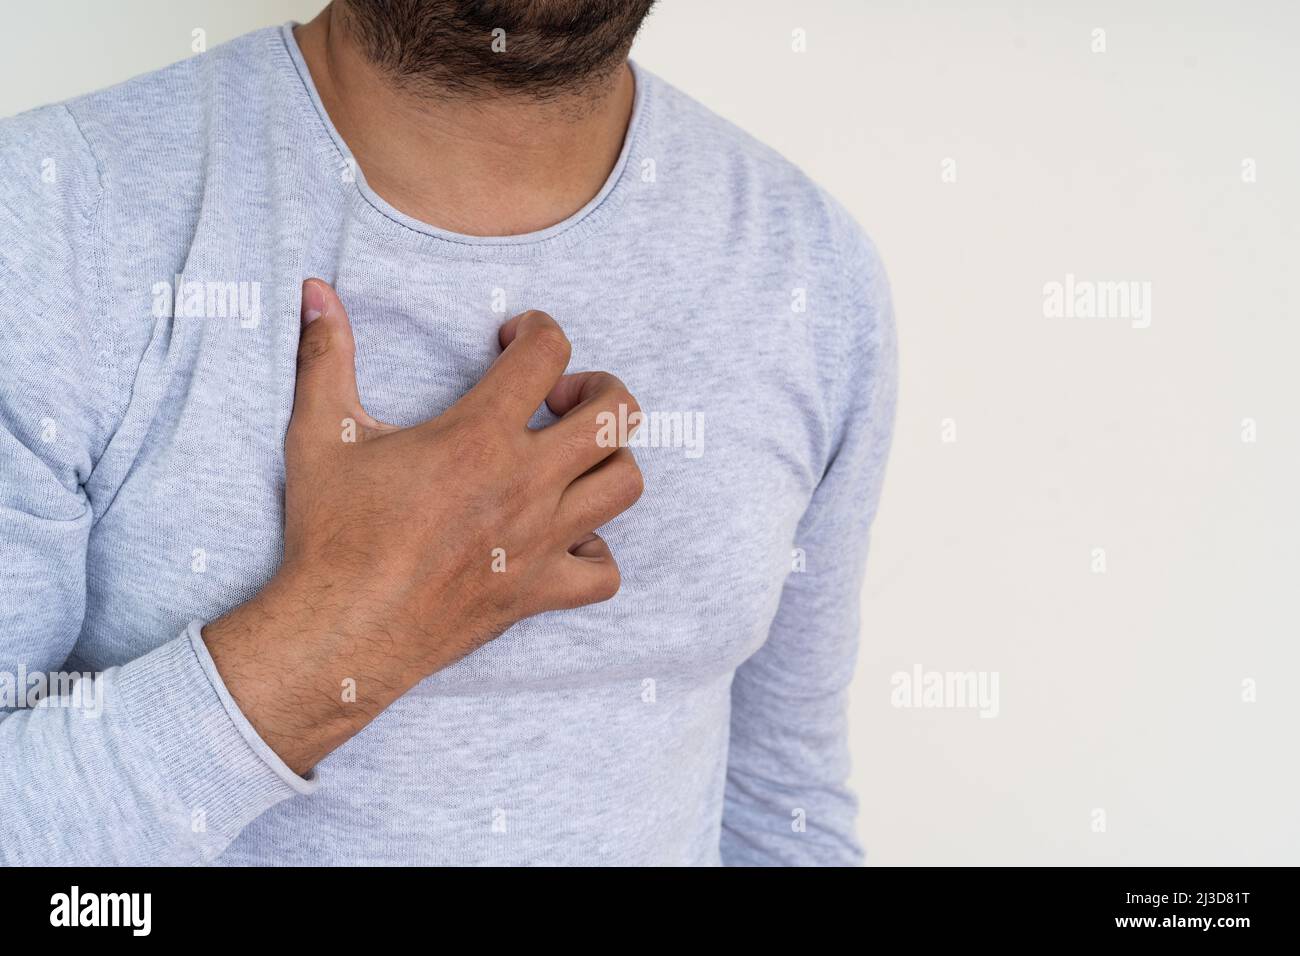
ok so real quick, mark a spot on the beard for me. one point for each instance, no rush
(543, 49)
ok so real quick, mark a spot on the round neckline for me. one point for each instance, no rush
(391, 220)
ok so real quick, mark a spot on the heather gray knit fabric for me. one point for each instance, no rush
(153, 242)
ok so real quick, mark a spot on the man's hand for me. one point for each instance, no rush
(394, 538)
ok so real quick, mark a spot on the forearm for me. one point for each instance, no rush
(310, 667)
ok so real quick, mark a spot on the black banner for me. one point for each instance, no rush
(1169, 906)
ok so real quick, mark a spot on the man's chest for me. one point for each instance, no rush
(728, 448)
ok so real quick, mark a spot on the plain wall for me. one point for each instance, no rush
(1024, 442)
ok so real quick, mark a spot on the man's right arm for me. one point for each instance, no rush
(201, 735)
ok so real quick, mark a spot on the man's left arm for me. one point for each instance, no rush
(787, 795)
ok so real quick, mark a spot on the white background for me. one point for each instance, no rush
(1119, 691)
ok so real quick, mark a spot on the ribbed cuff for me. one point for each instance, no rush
(224, 774)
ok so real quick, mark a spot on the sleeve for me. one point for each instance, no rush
(787, 799)
(151, 762)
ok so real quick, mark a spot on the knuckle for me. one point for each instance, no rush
(536, 318)
(607, 384)
(604, 382)
(625, 399)
(606, 585)
(629, 483)
(615, 393)
(550, 339)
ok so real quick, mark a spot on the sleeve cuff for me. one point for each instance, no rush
(224, 774)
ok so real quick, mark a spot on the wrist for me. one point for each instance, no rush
(303, 666)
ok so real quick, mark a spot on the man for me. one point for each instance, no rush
(332, 544)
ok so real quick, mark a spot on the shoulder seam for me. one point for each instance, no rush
(107, 363)
(99, 167)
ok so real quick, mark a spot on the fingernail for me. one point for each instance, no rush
(313, 302)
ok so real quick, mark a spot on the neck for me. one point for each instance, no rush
(483, 165)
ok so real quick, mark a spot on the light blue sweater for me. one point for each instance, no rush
(697, 718)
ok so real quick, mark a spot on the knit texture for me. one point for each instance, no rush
(696, 718)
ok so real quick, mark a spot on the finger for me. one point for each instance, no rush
(536, 354)
(506, 334)
(586, 574)
(601, 495)
(599, 415)
(571, 390)
(325, 391)
(591, 547)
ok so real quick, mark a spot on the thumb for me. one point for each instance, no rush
(326, 388)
